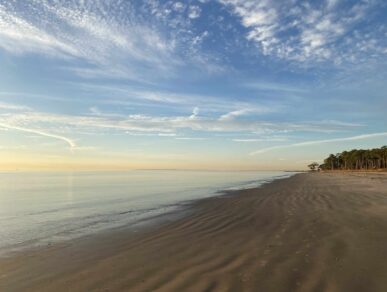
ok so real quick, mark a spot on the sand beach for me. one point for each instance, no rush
(309, 232)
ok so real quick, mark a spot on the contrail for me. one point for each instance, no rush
(70, 142)
(316, 142)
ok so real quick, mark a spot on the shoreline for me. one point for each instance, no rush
(178, 210)
(141, 226)
(301, 233)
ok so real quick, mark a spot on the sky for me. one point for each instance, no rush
(197, 84)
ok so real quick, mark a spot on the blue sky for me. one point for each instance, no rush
(226, 84)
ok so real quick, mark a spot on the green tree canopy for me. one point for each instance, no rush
(357, 159)
(313, 166)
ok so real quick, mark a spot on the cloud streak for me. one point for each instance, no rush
(97, 121)
(318, 142)
(70, 142)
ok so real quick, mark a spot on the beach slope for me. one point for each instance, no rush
(310, 232)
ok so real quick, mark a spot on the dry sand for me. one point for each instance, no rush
(310, 232)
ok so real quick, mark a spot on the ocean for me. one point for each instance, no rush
(39, 208)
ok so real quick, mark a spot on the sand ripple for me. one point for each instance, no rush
(310, 232)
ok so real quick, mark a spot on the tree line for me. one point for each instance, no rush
(356, 159)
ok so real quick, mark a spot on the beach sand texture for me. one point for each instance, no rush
(310, 232)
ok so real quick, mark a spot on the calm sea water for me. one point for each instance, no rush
(40, 208)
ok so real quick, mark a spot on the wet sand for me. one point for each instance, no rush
(310, 232)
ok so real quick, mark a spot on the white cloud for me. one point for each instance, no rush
(260, 140)
(178, 6)
(110, 38)
(13, 107)
(244, 112)
(160, 124)
(70, 142)
(234, 114)
(332, 3)
(18, 35)
(302, 31)
(130, 96)
(195, 112)
(318, 142)
(96, 122)
(194, 11)
(190, 138)
(271, 86)
(167, 134)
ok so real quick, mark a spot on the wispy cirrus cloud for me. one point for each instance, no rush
(276, 87)
(265, 139)
(114, 39)
(13, 107)
(191, 138)
(318, 142)
(245, 112)
(17, 35)
(59, 126)
(69, 141)
(125, 95)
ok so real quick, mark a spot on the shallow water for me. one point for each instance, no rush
(40, 208)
